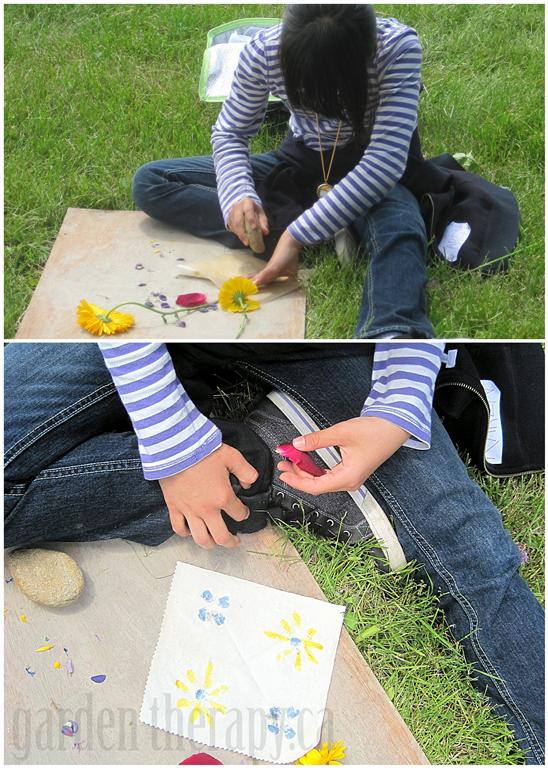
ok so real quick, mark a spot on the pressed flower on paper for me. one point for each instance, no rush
(100, 321)
(324, 756)
(200, 697)
(297, 643)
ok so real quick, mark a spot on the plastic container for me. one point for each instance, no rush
(223, 48)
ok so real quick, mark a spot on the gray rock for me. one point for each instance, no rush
(255, 237)
(45, 576)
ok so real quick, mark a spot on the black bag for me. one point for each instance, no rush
(492, 383)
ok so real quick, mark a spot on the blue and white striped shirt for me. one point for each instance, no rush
(394, 78)
(173, 435)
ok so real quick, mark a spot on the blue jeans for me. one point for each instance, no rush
(182, 192)
(73, 473)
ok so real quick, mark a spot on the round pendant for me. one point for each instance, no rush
(323, 189)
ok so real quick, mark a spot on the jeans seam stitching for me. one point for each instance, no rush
(189, 169)
(54, 421)
(457, 594)
(369, 279)
(202, 186)
(282, 385)
(60, 476)
(74, 469)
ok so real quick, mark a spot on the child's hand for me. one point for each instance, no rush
(284, 261)
(365, 443)
(246, 211)
(196, 496)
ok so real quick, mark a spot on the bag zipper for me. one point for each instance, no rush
(431, 233)
(488, 410)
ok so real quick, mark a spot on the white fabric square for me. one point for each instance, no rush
(241, 666)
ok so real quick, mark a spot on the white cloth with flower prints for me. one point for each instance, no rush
(241, 666)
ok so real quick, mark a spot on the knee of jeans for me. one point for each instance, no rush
(493, 566)
(144, 180)
(406, 203)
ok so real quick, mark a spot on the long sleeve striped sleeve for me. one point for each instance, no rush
(172, 434)
(384, 161)
(239, 120)
(402, 387)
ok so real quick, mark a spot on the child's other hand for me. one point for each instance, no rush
(364, 443)
(284, 261)
(196, 496)
(246, 211)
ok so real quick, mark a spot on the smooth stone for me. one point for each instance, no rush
(255, 237)
(45, 576)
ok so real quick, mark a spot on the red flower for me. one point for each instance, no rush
(200, 758)
(302, 460)
(191, 300)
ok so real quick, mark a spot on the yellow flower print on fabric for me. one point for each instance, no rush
(300, 643)
(201, 698)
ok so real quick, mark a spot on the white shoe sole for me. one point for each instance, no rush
(368, 506)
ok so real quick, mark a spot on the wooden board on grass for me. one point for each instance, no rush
(109, 257)
(113, 630)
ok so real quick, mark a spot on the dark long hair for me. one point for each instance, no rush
(324, 52)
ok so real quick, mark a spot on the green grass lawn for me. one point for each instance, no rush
(92, 92)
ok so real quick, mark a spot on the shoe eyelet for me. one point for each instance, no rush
(280, 493)
(315, 512)
(348, 534)
(330, 522)
(296, 505)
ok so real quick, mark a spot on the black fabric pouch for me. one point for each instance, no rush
(514, 373)
(257, 498)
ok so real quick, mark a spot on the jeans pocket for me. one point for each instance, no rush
(13, 496)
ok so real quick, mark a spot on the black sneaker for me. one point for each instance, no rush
(348, 517)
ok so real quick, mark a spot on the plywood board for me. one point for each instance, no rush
(109, 257)
(113, 630)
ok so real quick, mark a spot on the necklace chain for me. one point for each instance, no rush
(326, 175)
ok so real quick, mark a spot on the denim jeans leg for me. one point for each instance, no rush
(447, 525)
(393, 239)
(94, 491)
(182, 192)
(72, 466)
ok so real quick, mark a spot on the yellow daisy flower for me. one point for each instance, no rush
(100, 321)
(234, 295)
(324, 756)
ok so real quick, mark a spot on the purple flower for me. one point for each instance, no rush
(164, 305)
(162, 297)
(524, 557)
(181, 324)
